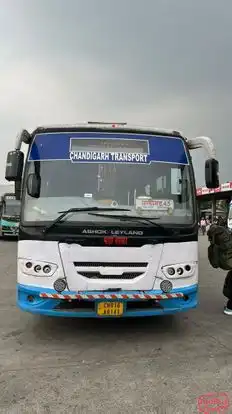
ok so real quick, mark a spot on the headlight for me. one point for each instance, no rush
(180, 270)
(37, 268)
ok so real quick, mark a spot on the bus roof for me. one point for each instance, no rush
(105, 126)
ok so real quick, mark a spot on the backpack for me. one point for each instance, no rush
(220, 248)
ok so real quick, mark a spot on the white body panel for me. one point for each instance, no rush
(229, 219)
(229, 224)
(64, 256)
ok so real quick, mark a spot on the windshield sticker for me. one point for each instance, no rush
(102, 147)
(113, 157)
(145, 203)
(107, 202)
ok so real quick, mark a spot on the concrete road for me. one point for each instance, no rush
(157, 365)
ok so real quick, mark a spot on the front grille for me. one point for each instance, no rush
(110, 264)
(12, 229)
(98, 275)
(89, 306)
(76, 305)
(110, 270)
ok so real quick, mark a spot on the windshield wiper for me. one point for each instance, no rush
(77, 210)
(137, 219)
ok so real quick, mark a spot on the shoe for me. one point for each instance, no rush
(227, 311)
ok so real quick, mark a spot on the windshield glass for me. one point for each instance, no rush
(148, 175)
(11, 208)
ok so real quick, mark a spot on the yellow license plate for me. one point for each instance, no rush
(110, 308)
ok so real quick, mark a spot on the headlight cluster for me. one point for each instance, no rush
(37, 268)
(179, 270)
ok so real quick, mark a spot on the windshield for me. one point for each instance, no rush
(11, 208)
(150, 177)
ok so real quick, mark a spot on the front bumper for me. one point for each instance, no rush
(84, 305)
(8, 232)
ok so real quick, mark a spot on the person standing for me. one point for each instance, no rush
(203, 225)
(207, 224)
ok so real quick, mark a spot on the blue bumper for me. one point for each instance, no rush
(29, 300)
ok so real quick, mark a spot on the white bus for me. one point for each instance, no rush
(108, 224)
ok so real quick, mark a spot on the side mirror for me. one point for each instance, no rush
(33, 185)
(14, 165)
(212, 173)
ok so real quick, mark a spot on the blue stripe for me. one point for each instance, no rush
(56, 146)
(48, 307)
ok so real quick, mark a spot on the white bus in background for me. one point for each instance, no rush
(108, 220)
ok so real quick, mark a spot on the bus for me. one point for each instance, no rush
(10, 215)
(108, 224)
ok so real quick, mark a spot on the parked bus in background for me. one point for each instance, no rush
(10, 215)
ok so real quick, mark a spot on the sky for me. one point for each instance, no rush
(161, 63)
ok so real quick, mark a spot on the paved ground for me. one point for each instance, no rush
(158, 365)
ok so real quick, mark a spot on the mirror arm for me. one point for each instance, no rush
(203, 142)
(18, 189)
(23, 136)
